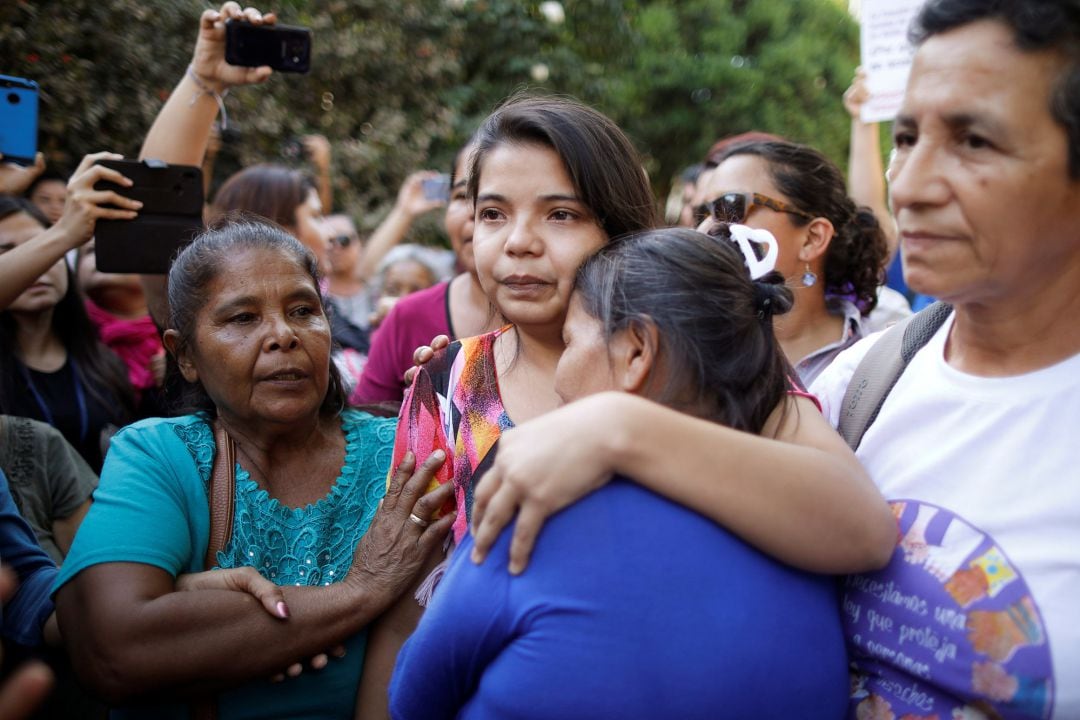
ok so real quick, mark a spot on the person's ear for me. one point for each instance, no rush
(633, 352)
(171, 340)
(819, 233)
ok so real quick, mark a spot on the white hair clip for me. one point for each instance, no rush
(743, 236)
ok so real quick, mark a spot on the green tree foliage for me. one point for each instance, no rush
(696, 71)
(398, 86)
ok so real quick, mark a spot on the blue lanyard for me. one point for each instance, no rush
(80, 398)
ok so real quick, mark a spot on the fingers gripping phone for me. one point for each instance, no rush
(284, 48)
(18, 119)
(171, 216)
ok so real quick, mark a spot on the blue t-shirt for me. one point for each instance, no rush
(152, 508)
(631, 607)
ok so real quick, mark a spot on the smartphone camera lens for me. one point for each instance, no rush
(14, 98)
(296, 52)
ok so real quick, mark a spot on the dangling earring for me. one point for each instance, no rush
(809, 278)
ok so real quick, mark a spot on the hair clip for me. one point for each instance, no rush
(743, 236)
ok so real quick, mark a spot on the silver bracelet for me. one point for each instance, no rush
(205, 89)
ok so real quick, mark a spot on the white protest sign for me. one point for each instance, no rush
(886, 54)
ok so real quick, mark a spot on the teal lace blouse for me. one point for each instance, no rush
(312, 545)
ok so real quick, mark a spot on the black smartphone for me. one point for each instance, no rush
(18, 119)
(282, 47)
(171, 216)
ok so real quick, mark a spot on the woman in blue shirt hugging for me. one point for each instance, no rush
(250, 336)
(634, 606)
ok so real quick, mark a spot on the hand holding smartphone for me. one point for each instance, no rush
(170, 217)
(281, 47)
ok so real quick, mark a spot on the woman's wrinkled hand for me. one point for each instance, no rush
(84, 205)
(208, 61)
(542, 466)
(403, 534)
(423, 354)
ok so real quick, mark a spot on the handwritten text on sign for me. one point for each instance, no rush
(886, 54)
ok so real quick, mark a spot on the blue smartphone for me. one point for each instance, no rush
(436, 188)
(18, 119)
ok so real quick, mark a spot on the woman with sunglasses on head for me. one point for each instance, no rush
(832, 252)
(635, 607)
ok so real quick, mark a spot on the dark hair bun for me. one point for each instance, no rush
(772, 296)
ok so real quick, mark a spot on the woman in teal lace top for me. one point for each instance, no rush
(250, 337)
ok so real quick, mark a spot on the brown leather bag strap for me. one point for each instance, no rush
(222, 495)
(222, 498)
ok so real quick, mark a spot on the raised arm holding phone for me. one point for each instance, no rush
(22, 263)
(181, 131)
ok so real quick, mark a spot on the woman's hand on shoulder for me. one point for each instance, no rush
(423, 355)
(84, 205)
(208, 62)
(542, 467)
(404, 532)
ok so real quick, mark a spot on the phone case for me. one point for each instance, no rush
(171, 216)
(18, 119)
(283, 47)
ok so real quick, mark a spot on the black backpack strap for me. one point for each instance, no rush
(876, 375)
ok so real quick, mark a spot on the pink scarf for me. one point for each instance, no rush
(135, 341)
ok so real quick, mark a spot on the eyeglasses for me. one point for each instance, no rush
(342, 241)
(734, 207)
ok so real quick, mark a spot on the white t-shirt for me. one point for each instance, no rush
(979, 607)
